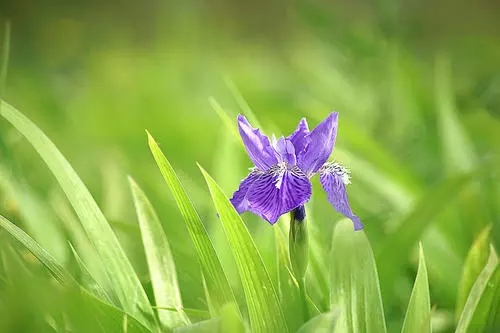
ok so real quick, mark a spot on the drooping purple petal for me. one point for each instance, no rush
(298, 137)
(332, 181)
(320, 145)
(257, 145)
(278, 191)
(239, 199)
(286, 151)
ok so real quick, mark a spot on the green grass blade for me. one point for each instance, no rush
(418, 315)
(193, 313)
(224, 117)
(216, 282)
(264, 310)
(102, 315)
(32, 210)
(288, 287)
(242, 103)
(160, 261)
(84, 252)
(88, 281)
(458, 153)
(59, 273)
(205, 326)
(354, 282)
(124, 280)
(406, 236)
(474, 263)
(482, 303)
(4, 63)
(86, 313)
(322, 323)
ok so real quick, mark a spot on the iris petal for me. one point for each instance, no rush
(298, 137)
(286, 151)
(332, 183)
(278, 191)
(257, 145)
(320, 145)
(239, 199)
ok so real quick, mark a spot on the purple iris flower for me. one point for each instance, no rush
(279, 182)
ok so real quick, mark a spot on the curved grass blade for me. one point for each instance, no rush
(458, 152)
(322, 323)
(354, 282)
(288, 287)
(193, 313)
(264, 310)
(474, 263)
(160, 261)
(32, 211)
(205, 326)
(102, 315)
(481, 311)
(89, 314)
(216, 282)
(4, 63)
(124, 281)
(418, 315)
(88, 281)
(416, 223)
(224, 117)
(59, 273)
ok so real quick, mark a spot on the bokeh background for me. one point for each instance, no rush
(417, 85)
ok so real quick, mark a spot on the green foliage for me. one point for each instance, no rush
(481, 312)
(123, 280)
(418, 128)
(474, 264)
(220, 292)
(418, 315)
(160, 261)
(264, 309)
(354, 282)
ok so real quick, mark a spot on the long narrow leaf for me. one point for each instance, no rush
(474, 263)
(264, 309)
(354, 282)
(86, 313)
(474, 317)
(124, 280)
(322, 323)
(87, 279)
(216, 282)
(160, 261)
(100, 315)
(416, 223)
(458, 154)
(418, 316)
(288, 287)
(40, 253)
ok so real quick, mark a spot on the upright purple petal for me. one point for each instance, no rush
(332, 178)
(278, 191)
(286, 151)
(257, 145)
(298, 137)
(239, 199)
(320, 145)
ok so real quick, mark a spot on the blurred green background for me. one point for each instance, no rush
(417, 85)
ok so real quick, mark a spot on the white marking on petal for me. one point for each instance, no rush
(274, 142)
(279, 171)
(336, 168)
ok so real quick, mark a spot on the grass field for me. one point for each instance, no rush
(109, 228)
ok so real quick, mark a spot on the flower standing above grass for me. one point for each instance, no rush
(279, 182)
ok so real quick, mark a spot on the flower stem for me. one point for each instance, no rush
(303, 297)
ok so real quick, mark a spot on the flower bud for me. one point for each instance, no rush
(298, 242)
